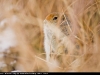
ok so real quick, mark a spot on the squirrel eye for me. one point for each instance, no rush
(55, 18)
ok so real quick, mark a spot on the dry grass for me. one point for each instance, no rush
(25, 19)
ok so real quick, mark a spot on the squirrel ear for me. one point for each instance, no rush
(63, 18)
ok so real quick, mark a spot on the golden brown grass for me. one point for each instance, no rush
(28, 29)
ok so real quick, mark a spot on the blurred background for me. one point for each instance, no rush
(22, 37)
